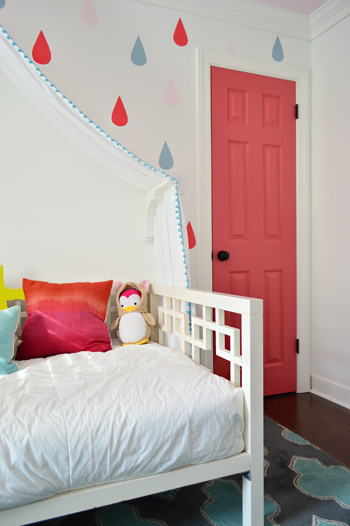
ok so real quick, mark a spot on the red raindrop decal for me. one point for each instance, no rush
(191, 236)
(119, 115)
(180, 35)
(41, 51)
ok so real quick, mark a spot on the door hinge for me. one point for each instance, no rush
(212, 255)
(297, 111)
(297, 346)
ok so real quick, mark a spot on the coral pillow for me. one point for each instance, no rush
(64, 318)
(67, 297)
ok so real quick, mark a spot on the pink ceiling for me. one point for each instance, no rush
(300, 6)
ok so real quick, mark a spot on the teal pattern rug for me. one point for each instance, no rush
(303, 487)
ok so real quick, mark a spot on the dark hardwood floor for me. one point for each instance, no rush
(325, 424)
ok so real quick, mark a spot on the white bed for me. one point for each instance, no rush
(90, 429)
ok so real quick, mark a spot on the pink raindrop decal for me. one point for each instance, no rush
(89, 14)
(230, 47)
(180, 35)
(41, 51)
(119, 115)
(171, 95)
(190, 235)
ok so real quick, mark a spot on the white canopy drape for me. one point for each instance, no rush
(169, 232)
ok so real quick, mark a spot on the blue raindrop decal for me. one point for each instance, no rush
(166, 159)
(2, 3)
(277, 51)
(138, 55)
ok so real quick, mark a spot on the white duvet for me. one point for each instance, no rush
(72, 421)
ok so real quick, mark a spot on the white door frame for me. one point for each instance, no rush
(205, 59)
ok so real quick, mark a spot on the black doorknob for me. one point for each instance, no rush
(223, 255)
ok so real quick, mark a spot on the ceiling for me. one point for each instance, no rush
(300, 6)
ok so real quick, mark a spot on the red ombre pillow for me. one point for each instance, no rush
(64, 318)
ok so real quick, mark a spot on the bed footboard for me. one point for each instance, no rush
(198, 319)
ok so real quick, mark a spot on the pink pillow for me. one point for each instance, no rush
(59, 333)
(64, 318)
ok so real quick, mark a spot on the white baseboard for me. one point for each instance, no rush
(339, 394)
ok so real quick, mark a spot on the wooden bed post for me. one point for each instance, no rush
(252, 383)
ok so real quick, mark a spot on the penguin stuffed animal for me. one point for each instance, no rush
(133, 323)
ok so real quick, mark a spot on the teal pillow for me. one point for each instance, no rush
(8, 325)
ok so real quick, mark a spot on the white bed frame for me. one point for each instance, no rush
(195, 332)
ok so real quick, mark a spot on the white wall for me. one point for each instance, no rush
(62, 216)
(92, 66)
(66, 222)
(330, 307)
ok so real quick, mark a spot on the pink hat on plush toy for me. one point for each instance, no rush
(128, 293)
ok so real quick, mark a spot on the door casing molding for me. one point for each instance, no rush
(205, 59)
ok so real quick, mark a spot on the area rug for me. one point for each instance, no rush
(303, 487)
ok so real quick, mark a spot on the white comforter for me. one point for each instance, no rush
(76, 420)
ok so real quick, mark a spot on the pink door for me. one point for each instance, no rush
(254, 209)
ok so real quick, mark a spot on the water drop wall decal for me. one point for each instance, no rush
(138, 55)
(166, 159)
(2, 3)
(277, 51)
(180, 35)
(119, 115)
(89, 14)
(230, 47)
(171, 96)
(41, 51)
(190, 235)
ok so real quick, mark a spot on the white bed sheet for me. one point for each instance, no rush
(72, 421)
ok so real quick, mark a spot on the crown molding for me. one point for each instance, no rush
(245, 13)
(262, 16)
(327, 16)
